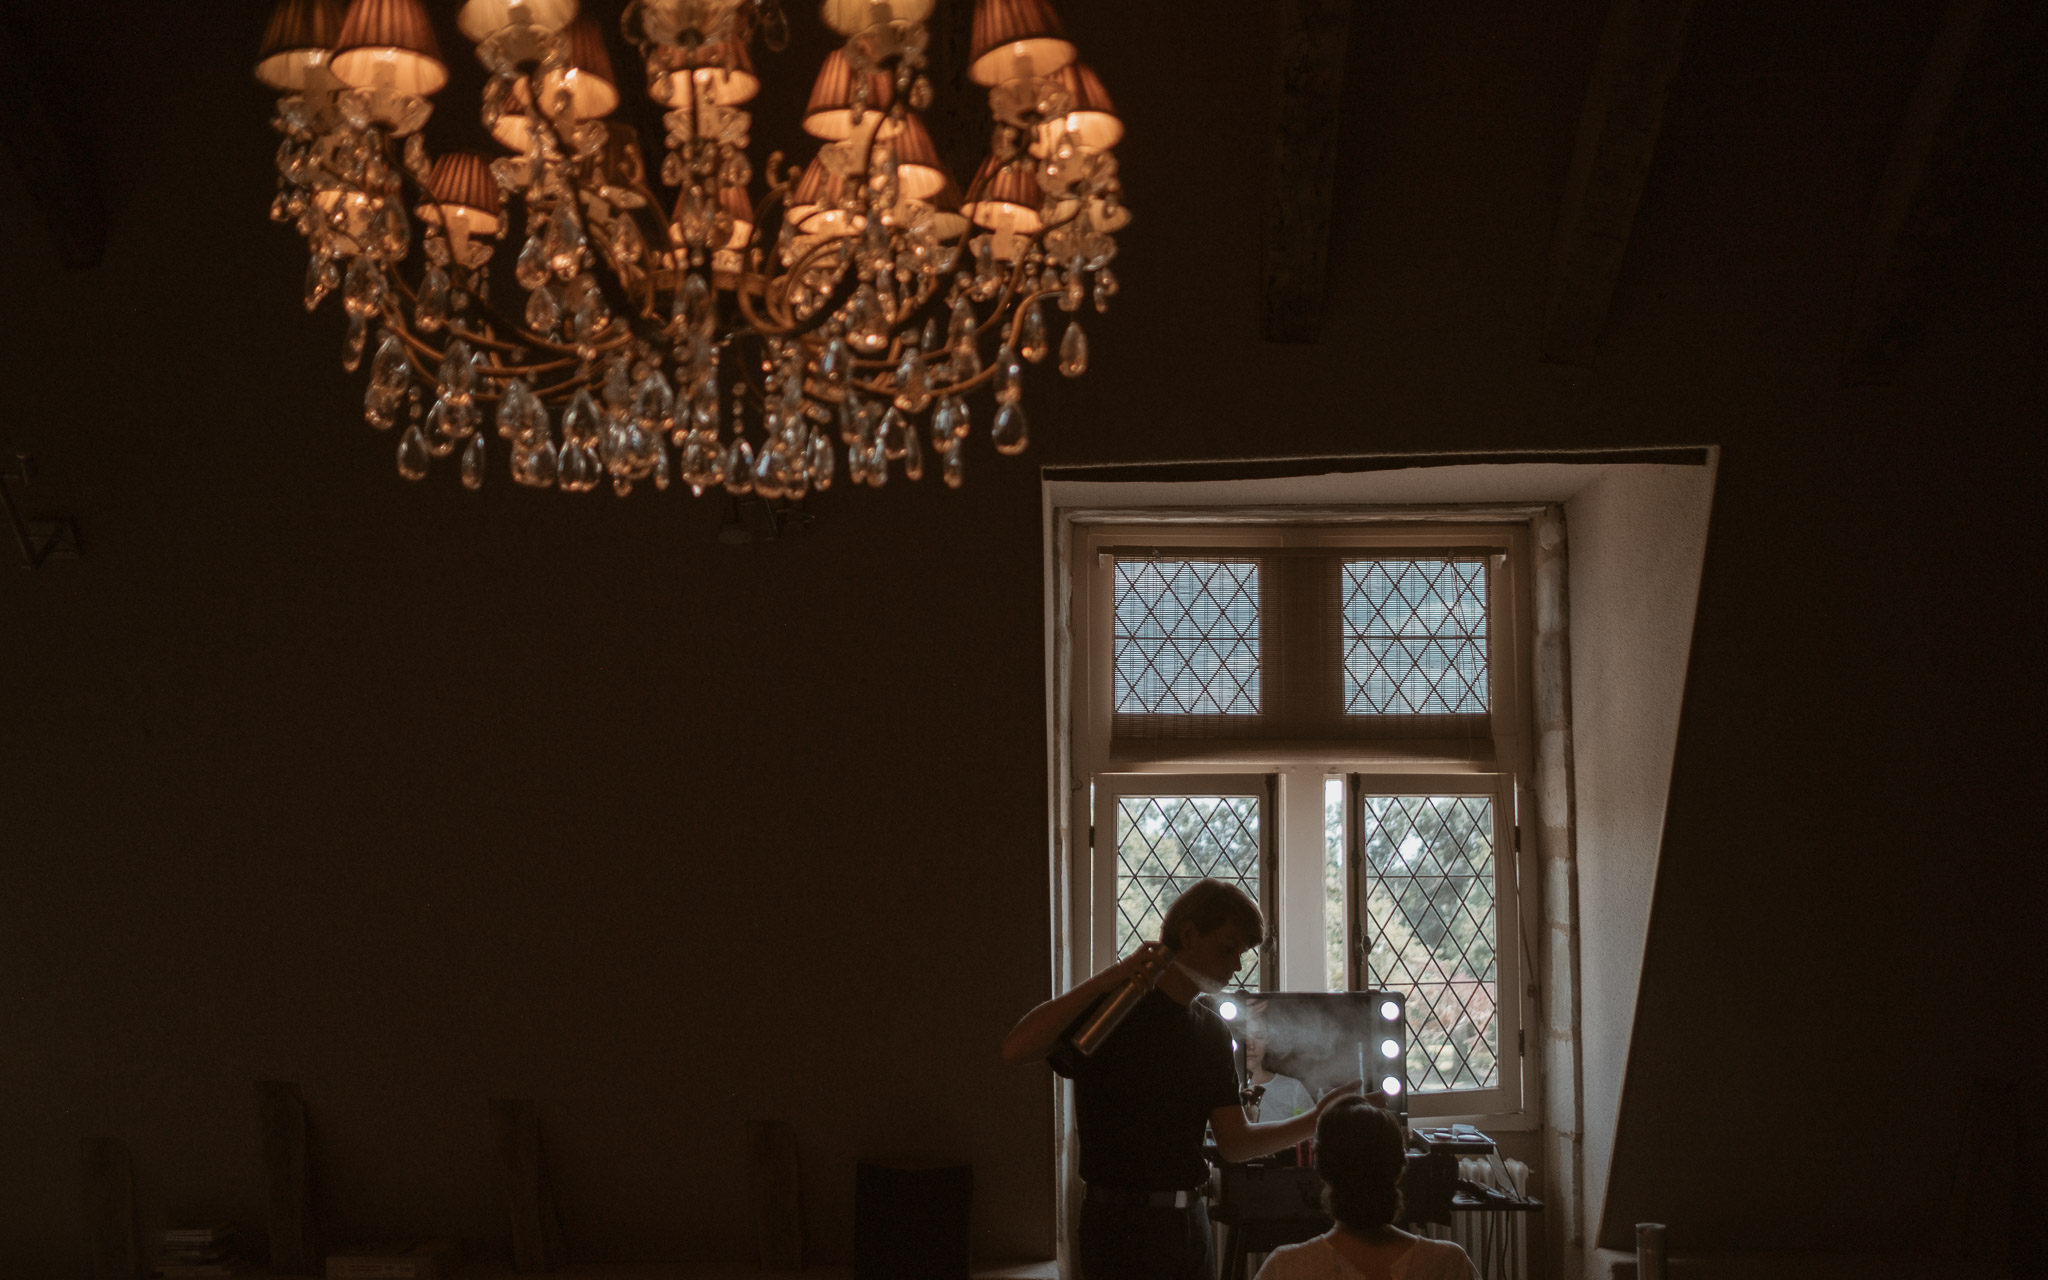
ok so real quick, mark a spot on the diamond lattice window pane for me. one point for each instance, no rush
(1415, 637)
(1187, 637)
(1166, 843)
(1427, 884)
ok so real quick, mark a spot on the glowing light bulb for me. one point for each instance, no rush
(1228, 1009)
(1390, 1049)
(1391, 1086)
(1390, 1010)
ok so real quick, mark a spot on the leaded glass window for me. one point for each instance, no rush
(1426, 881)
(1164, 844)
(1415, 637)
(1186, 639)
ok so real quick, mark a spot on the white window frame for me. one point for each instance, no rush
(1510, 928)
(1083, 680)
(1110, 787)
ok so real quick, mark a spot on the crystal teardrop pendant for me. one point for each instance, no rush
(353, 342)
(1105, 289)
(362, 289)
(413, 454)
(739, 467)
(535, 468)
(430, 309)
(823, 460)
(867, 329)
(1074, 351)
(1011, 433)
(768, 473)
(577, 470)
(892, 435)
(876, 462)
(322, 274)
(954, 471)
(531, 268)
(473, 462)
(583, 421)
(1009, 378)
(913, 456)
(911, 393)
(456, 379)
(393, 235)
(1031, 337)
(660, 471)
(389, 369)
(543, 312)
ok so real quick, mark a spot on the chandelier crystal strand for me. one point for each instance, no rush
(854, 309)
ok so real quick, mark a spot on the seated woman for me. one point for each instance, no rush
(1361, 1155)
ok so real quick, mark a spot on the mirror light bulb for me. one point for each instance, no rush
(1228, 1009)
(1390, 1010)
(1391, 1086)
(1390, 1049)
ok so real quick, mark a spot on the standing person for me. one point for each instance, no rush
(1144, 1099)
(1361, 1154)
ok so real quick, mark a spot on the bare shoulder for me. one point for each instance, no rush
(1309, 1260)
(1435, 1260)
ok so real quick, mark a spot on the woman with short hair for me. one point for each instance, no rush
(1361, 1154)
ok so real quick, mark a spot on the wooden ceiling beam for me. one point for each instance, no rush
(1976, 57)
(53, 164)
(1295, 254)
(1640, 51)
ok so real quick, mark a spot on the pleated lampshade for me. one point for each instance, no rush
(462, 188)
(1016, 38)
(514, 125)
(947, 219)
(813, 206)
(829, 114)
(723, 72)
(1092, 118)
(297, 42)
(734, 201)
(919, 171)
(593, 89)
(480, 19)
(1006, 199)
(389, 44)
(850, 16)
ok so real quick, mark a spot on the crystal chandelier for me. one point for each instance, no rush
(672, 324)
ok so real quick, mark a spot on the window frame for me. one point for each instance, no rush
(1510, 927)
(1083, 672)
(1261, 787)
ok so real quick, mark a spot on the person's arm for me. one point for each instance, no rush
(1238, 1139)
(1038, 1032)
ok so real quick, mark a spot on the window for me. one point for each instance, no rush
(1332, 716)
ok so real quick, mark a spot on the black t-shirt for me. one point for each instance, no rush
(1142, 1101)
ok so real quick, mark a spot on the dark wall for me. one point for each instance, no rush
(418, 797)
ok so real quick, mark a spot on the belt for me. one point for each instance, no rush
(1140, 1198)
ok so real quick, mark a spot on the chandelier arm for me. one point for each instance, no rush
(490, 312)
(835, 299)
(741, 294)
(495, 370)
(988, 374)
